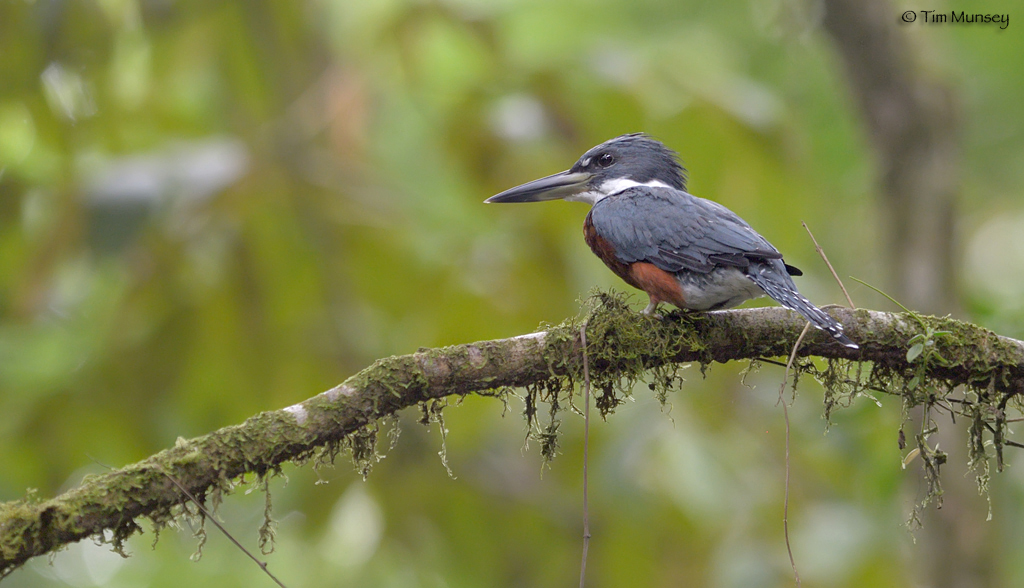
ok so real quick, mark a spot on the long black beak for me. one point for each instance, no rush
(553, 187)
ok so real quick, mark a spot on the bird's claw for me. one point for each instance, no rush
(652, 311)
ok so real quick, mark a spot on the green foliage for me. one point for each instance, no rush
(310, 178)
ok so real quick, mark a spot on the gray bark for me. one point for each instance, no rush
(621, 343)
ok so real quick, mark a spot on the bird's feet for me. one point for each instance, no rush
(651, 311)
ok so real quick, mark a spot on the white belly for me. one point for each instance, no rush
(724, 287)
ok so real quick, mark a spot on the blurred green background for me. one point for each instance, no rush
(210, 209)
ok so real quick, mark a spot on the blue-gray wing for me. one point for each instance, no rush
(678, 232)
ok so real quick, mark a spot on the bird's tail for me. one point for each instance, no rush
(788, 296)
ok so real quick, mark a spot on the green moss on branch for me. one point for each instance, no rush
(623, 347)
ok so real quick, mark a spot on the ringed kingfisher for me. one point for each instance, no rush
(693, 253)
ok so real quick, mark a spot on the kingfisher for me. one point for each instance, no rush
(687, 251)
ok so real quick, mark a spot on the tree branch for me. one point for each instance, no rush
(622, 344)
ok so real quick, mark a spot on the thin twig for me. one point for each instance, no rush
(586, 451)
(785, 414)
(771, 361)
(821, 252)
(785, 407)
(212, 519)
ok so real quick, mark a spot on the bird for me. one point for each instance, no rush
(678, 248)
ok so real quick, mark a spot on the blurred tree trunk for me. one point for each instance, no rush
(913, 122)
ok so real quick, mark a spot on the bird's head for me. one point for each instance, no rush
(617, 164)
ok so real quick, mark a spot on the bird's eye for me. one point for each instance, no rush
(605, 159)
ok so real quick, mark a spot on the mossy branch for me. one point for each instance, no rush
(622, 346)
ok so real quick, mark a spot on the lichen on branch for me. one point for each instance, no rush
(623, 348)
